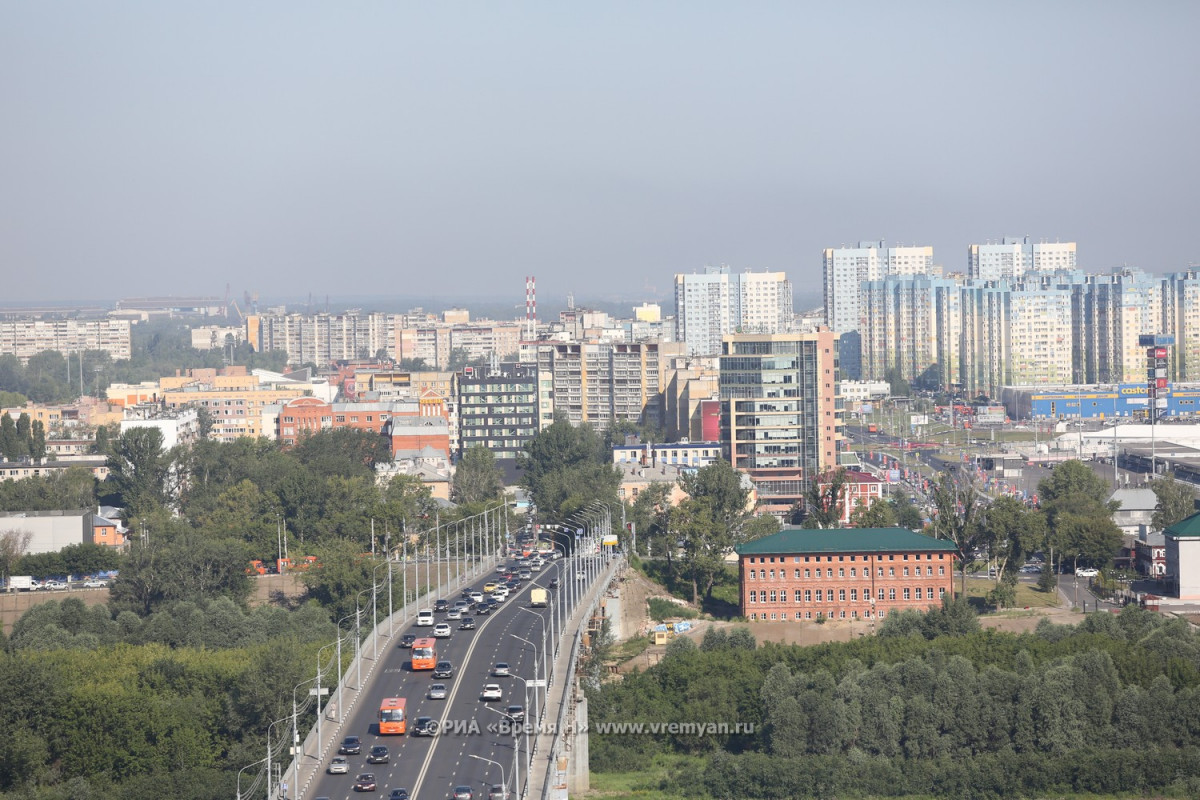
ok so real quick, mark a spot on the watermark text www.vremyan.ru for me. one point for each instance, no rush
(471, 727)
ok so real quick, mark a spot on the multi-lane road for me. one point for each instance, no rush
(471, 730)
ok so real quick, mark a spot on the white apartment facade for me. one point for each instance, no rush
(24, 338)
(716, 303)
(1011, 258)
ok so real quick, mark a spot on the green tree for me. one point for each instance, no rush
(10, 443)
(566, 469)
(25, 434)
(14, 543)
(1079, 515)
(649, 513)
(880, 514)
(824, 506)
(37, 440)
(137, 471)
(244, 512)
(477, 479)
(1011, 532)
(1176, 501)
(1072, 478)
(956, 505)
(343, 451)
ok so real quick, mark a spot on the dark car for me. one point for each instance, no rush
(463, 793)
(379, 755)
(443, 669)
(424, 726)
(515, 583)
(553, 584)
(493, 603)
(365, 783)
(407, 639)
(351, 746)
(441, 605)
(467, 624)
(398, 794)
(483, 610)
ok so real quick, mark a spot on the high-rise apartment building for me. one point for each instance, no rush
(322, 339)
(597, 383)
(911, 325)
(716, 303)
(24, 338)
(498, 410)
(1181, 319)
(1011, 258)
(845, 269)
(781, 421)
(1115, 310)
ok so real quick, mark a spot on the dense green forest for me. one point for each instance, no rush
(930, 706)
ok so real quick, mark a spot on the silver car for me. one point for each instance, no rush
(339, 766)
(437, 691)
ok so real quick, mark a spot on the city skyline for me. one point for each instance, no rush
(288, 149)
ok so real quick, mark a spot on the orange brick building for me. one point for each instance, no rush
(309, 415)
(843, 573)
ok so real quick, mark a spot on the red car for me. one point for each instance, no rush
(365, 783)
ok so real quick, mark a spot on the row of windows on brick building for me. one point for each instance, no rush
(806, 595)
(866, 572)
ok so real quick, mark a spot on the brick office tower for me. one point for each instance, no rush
(843, 573)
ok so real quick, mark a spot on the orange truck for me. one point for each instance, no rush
(256, 568)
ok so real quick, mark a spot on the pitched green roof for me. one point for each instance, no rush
(843, 540)
(1185, 527)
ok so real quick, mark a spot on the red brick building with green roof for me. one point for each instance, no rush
(843, 573)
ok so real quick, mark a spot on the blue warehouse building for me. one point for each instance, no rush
(1126, 401)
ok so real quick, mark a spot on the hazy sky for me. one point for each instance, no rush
(403, 148)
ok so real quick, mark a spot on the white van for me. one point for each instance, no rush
(425, 617)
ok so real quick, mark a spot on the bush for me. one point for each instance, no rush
(661, 609)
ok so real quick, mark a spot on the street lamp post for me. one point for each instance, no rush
(296, 751)
(318, 694)
(339, 666)
(516, 760)
(239, 777)
(270, 773)
(545, 654)
(503, 780)
(535, 672)
(521, 791)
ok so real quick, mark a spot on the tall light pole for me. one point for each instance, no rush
(521, 791)
(516, 747)
(296, 751)
(239, 777)
(503, 780)
(339, 666)
(318, 693)
(535, 668)
(545, 654)
(270, 773)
